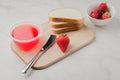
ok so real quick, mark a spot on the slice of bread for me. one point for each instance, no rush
(65, 25)
(68, 15)
(54, 19)
(64, 30)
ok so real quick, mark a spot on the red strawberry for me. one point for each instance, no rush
(106, 15)
(95, 14)
(63, 42)
(103, 7)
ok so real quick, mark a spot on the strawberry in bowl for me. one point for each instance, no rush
(106, 15)
(103, 7)
(95, 14)
(100, 13)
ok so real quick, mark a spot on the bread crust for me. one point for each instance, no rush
(65, 25)
(53, 19)
(67, 29)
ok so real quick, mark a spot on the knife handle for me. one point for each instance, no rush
(32, 62)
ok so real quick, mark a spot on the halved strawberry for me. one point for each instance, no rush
(106, 15)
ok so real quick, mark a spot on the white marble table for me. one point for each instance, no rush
(98, 61)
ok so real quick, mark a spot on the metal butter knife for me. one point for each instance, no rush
(49, 43)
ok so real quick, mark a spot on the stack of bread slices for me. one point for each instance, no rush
(64, 20)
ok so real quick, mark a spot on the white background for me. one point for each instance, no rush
(98, 61)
